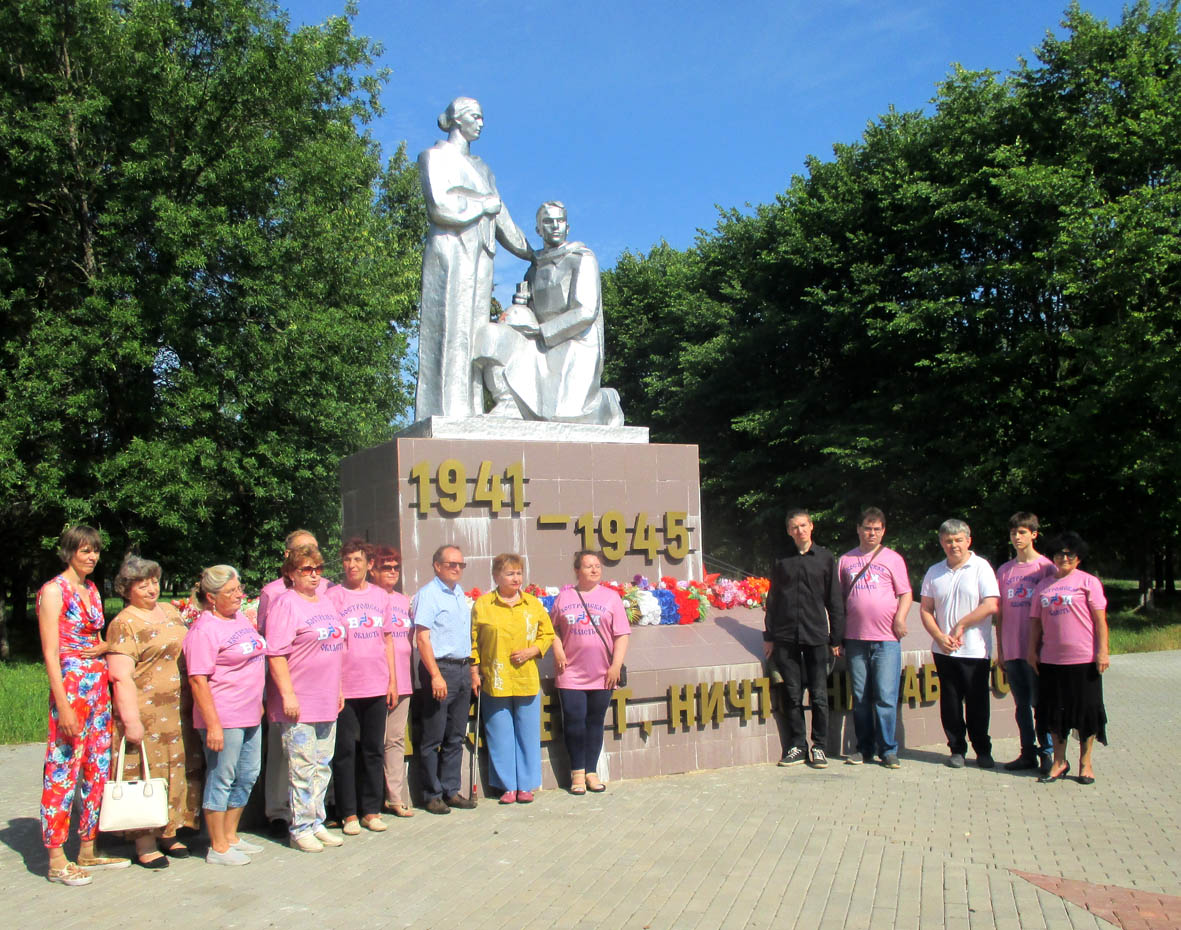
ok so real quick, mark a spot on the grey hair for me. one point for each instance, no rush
(455, 109)
(954, 527)
(133, 571)
(213, 579)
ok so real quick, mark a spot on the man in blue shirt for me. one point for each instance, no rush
(443, 634)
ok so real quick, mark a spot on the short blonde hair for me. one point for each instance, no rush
(297, 557)
(507, 560)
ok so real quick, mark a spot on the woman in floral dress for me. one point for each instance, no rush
(154, 703)
(78, 755)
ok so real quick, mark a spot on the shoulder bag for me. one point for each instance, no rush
(134, 805)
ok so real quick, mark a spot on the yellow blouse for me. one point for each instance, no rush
(499, 630)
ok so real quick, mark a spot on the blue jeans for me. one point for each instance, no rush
(444, 727)
(230, 773)
(876, 670)
(583, 713)
(1023, 684)
(512, 731)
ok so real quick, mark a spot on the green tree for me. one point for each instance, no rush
(207, 274)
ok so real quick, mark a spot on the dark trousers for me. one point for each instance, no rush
(444, 725)
(582, 725)
(358, 764)
(804, 666)
(963, 690)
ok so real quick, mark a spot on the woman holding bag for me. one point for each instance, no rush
(144, 663)
(592, 629)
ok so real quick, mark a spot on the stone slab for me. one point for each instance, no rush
(524, 430)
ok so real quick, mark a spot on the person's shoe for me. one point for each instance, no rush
(592, 784)
(242, 845)
(858, 759)
(793, 756)
(524, 797)
(890, 761)
(375, 823)
(278, 829)
(817, 759)
(398, 810)
(437, 806)
(305, 842)
(173, 848)
(1086, 779)
(232, 856)
(159, 862)
(69, 875)
(351, 828)
(956, 760)
(1047, 778)
(458, 800)
(985, 761)
(1021, 764)
(1045, 763)
(326, 838)
(103, 863)
(509, 797)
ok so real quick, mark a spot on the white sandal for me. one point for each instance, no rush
(70, 875)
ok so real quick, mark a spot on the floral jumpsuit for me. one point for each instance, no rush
(83, 762)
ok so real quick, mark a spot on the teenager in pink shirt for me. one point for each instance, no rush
(1068, 650)
(386, 574)
(369, 688)
(305, 649)
(592, 631)
(1017, 579)
(225, 658)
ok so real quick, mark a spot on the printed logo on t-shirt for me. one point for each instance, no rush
(579, 623)
(1021, 592)
(366, 626)
(1057, 600)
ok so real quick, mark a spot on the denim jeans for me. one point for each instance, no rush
(230, 773)
(876, 670)
(583, 713)
(512, 730)
(1023, 684)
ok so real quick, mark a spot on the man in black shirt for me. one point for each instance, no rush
(805, 623)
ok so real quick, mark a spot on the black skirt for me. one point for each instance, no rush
(1070, 697)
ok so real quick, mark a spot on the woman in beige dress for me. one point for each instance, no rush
(153, 705)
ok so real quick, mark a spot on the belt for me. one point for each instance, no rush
(450, 661)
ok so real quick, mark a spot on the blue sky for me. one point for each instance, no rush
(644, 116)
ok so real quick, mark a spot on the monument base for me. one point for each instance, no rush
(526, 430)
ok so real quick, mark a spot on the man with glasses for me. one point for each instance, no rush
(443, 634)
(877, 600)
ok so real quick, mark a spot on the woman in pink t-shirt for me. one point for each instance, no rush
(592, 635)
(305, 649)
(225, 657)
(386, 574)
(1068, 650)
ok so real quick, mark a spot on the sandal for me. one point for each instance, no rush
(593, 783)
(69, 875)
(577, 784)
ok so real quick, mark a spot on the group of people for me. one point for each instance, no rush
(1051, 639)
(331, 667)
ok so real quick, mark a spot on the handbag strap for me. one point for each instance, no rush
(143, 761)
(865, 567)
(598, 629)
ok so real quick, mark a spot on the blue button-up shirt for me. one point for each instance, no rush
(443, 612)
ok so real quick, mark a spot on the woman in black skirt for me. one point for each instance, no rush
(1068, 649)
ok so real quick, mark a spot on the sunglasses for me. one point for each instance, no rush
(454, 564)
(390, 568)
(311, 569)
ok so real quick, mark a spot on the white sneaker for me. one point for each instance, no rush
(326, 838)
(305, 842)
(231, 856)
(244, 847)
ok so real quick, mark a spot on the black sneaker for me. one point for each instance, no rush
(278, 829)
(985, 761)
(1021, 763)
(793, 756)
(817, 758)
(890, 761)
(437, 806)
(458, 800)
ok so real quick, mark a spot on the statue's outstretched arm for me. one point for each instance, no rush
(509, 234)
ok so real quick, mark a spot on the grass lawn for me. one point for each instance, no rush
(24, 701)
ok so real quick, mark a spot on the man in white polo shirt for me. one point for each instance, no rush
(959, 597)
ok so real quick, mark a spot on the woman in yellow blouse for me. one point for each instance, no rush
(511, 630)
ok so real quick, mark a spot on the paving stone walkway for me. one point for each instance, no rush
(748, 847)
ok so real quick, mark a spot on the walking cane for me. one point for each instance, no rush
(472, 767)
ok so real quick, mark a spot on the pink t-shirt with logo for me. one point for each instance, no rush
(586, 653)
(871, 605)
(232, 655)
(366, 672)
(1064, 607)
(401, 625)
(1017, 581)
(312, 638)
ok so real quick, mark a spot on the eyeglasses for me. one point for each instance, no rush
(311, 569)
(1066, 556)
(454, 564)
(230, 592)
(390, 568)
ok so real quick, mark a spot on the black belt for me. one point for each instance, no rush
(450, 661)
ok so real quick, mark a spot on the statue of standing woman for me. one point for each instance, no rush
(467, 219)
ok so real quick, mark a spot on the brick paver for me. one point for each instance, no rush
(747, 847)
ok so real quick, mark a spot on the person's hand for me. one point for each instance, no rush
(946, 643)
(133, 730)
(475, 679)
(291, 706)
(957, 634)
(94, 652)
(492, 205)
(560, 662)
(837, 652)
(899, 627)
(521, 656)
(67, 722)
(768, 648)
(526, 328)
(613, 674)
(215, 738)
(438, 687)
(1032, 659)
(1103, 662)
(391, 696)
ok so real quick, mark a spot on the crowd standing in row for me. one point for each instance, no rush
(1051, 639)
(331, 667)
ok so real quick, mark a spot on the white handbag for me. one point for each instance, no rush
(133, 805)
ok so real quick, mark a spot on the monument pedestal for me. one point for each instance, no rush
(542, 490)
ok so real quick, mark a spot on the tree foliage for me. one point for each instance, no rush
(969, 312)
(207, 275)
